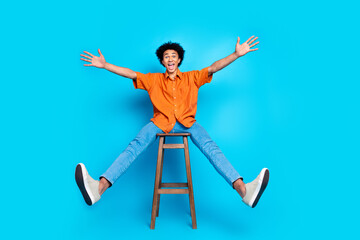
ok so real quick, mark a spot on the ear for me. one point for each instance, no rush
(179, 60)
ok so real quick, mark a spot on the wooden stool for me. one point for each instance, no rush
(172, 188)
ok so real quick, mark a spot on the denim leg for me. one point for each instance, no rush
(145, 137)
(209, 148)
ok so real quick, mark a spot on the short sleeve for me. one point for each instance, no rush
(202, 77)
(143, 81)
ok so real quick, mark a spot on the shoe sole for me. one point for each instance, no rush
(80, 182)
(262, 188)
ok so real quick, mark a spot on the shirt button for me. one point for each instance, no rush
(173, 88)
(174, 97)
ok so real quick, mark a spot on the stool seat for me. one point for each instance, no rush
(172, 188)
(172, 134)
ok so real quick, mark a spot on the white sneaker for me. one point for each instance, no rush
(87, 185)
(255, 188)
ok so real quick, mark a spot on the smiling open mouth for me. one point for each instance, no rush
(171, 66)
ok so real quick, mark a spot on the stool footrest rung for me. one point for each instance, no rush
(173, 145)
(173, 191)
(167, 185)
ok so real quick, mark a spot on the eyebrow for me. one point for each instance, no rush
(169, 53)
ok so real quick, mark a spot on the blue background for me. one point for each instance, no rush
(291, 106)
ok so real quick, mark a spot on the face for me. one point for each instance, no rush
(171, 60)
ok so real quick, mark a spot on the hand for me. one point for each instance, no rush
(244, 48)
(95, 61)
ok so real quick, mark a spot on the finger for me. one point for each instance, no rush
(83, 55)
(86, 60)
(253, 40)
(251, 50)
(247, 41)
(99, 52)
(238, 41)
(88, 65)
(89, 53)
(254, 44)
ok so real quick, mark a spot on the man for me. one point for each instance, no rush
(174, 98)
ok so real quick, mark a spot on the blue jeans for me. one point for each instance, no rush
(147, 136)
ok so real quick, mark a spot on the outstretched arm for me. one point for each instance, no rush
(240, 50)
(100, 62)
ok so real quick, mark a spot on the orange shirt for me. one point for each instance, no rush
(173, 100)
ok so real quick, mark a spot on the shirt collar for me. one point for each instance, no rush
(178, 73)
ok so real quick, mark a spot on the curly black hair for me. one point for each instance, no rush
(173, 46)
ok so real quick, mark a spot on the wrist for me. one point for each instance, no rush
(236, 55)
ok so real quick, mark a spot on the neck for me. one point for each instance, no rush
(172, 75)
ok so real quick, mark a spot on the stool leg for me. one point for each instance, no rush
(161, 170)
(157, 183)
(190, 186)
